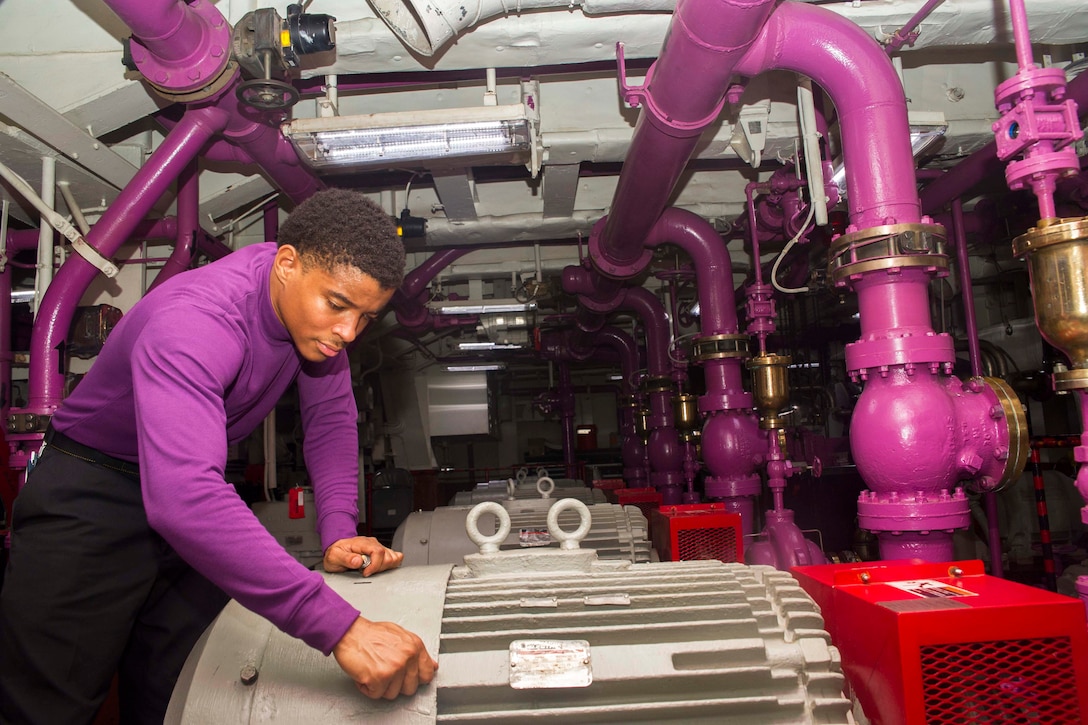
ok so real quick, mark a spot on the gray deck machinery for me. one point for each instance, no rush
(439, 536)
(558, 635)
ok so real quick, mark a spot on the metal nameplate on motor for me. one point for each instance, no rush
(548, 663)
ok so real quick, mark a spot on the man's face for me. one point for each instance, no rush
(322, 309)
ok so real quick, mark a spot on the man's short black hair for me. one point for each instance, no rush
(338, 227)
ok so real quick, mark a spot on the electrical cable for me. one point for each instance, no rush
(785, 251)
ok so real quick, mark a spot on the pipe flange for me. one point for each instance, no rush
(932, 348)
(1049, 233)
(913, 511)
(224, 79)
(659, 384)
(1019, 437)
(178, 80)
(1075, 379)
(888, 247)
(719, 347)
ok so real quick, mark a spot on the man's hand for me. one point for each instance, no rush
(384, 659)
(347, 554)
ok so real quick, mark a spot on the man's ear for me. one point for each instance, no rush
(287, 263)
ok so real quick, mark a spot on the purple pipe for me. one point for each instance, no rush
(984, 163)
(632, 450)
(151, 181)
(5, 342)
(963, 268)
(211, 247)
(684, 93)
(854, 71)
(270, 217)
(665, 451)
(410, 309)
(180, 47)
(188, 224)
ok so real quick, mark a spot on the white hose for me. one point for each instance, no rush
(782, 255)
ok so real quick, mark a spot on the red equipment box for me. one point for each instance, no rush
(945, 643)
(647, 499)
(688, 532)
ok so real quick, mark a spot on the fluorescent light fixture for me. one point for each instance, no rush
(615, 376)
(467, 136)
(926, 129)
(487, 346)
(475, 367)
(477, 307)
(22, 295)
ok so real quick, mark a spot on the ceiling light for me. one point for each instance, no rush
(475, 368)
(487, 346)
(477, 307)
(467, 136)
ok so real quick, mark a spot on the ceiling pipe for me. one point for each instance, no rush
(683, 94)
(408, 301)
(117, 224)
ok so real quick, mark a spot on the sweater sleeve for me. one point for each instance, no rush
(183, 364)
(331, 445)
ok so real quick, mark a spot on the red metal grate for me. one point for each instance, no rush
(1012, 681)
(720, 544)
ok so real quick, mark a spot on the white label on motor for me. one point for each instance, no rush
(534, 537)
(548, 663)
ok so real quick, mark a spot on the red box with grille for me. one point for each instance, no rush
(647, 499)
(945, 643)
(687, 532)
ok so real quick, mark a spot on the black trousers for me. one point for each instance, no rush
(90, 590)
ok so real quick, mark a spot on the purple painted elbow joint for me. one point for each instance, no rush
(189, 52)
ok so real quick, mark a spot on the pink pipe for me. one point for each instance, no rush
(270, 217)
(410, 309)
(632, 450)
(188, 203)
(684, 92)
(854, 71)
(1020, 34)
(181, 146)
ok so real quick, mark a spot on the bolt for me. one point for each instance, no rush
(955, 571)
(216, 51)
(955, 94)
(865, 577)
(1001, 453)
(248, 675)
(997, 413)
(161, 77)
(194, 74)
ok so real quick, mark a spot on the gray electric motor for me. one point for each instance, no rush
(526, 486)
(556, 635)
(440, 536)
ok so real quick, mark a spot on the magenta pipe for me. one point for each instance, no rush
(5, 342)
(683, 94)
(1020, 35)
(211, 247)
(853, 70)
(188, 224)
(632, 450)
(178, 46)
(216, 150)
(151, 181)
(984, 163)
(648, 307)
(411, 311)
(270, 217)
(906, 34)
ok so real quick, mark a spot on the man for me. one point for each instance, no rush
(127, 541)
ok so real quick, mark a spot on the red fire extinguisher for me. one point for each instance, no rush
(296, 503)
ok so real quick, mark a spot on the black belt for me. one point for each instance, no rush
(66, 445)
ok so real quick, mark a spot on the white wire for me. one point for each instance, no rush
(784, 252)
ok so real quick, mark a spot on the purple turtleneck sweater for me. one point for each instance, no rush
(195, 367)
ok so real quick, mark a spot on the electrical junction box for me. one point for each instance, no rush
(945, 643)
(700, 531)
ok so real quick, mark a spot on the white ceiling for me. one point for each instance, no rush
(64, 89)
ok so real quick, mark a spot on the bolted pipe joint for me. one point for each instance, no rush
(734, 449)
(180, 48)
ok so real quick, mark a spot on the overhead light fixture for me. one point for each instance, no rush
(926, 129)
(487, 346)
(615, 377)
(475, 368)
(477, 307)
(463, 136)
